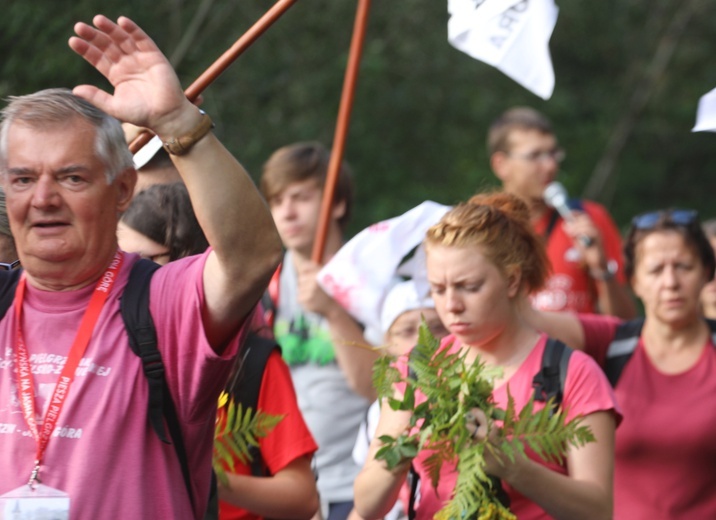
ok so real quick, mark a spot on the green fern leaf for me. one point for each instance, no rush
(235, 431)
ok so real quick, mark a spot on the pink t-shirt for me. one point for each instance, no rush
(665, 450)
(103, 452)
(586, 391)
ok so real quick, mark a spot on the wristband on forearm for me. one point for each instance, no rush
(181, 145)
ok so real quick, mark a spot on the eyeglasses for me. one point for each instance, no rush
(556, 154)
(680, 217)
(437, 329)
(10, 266)
(158, 258)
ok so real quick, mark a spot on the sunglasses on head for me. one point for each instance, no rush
(10, 266)
(680, 217)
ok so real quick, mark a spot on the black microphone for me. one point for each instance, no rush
(556, 196)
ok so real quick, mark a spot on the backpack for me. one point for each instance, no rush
(245, 385)
(624, 343)
(548, 384)
(138, 322)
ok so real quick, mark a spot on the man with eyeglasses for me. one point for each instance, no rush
(587, 274)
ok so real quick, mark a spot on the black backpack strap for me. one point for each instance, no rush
(8, 285)
(550, 380)
(621, 348)
(143, 342)
(624, 344)
(245, 385)
(712, 327)
(554, 217)
(575, 204)
(413, 481)
(212, 509)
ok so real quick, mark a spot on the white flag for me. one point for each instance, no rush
(706, 114)
(512, 35)
(362, 272)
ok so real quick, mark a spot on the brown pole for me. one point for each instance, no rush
(226, 59)
(339, 139)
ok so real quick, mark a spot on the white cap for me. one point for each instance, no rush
(401, 298)
(147, 152)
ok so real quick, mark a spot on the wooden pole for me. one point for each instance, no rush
(341, 132)
(226, 59)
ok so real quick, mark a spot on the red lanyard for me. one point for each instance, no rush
(26, 386)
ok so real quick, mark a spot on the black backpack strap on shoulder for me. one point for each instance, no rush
(245, 385)
(8, 285)
(575, 204)
(553, 219)
(413, 481)
(621, 348)
(712, 327)
(143, 342)
(550, 380)
(143, 339)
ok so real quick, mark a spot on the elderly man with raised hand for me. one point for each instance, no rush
(73, 397)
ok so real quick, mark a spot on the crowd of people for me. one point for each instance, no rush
(506, 273)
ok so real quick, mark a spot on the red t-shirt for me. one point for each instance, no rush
(569, 286)
(586, 391)
(289, 440)
(665, 448)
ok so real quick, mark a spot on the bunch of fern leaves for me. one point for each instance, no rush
(452, 388)
(235, 432)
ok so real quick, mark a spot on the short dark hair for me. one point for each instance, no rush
(164, 214)
(302, 161)
(517, 118)
(692, 233)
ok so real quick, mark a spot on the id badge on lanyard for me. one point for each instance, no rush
(36, 500)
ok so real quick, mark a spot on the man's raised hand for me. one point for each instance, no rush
(147, 91)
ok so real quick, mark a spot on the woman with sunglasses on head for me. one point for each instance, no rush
(483, 260)
(663, 368)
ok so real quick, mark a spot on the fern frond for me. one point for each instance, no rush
(236, 430)
(385, 375)
(451, 388)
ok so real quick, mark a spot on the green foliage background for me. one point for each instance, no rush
(422, 107)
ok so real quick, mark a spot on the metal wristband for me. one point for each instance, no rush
(181, 145)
